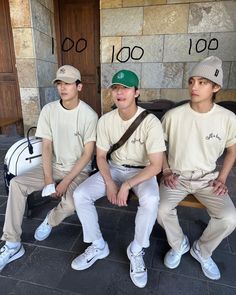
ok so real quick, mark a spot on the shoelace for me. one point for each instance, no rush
(139, 265)
(4, 251)
(90, 250)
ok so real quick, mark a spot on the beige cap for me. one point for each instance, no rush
(67, 74)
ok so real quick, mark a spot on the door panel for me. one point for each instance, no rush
(79, 44)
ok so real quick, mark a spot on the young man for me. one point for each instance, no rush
(197, 134)
(133, 166)
(68, 129)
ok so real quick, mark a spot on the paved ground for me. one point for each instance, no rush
(45, 268)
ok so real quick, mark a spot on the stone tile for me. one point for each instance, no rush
(226, 95)
(45, 73)
(226, 45)
(107, 49)
(47, 94)
(41, 18)
(232, 76)
(169, 283)
(48, 3)
(108, 70)
(143, 49)
(110, 4)
(162, 75)
(129, 3)
(232, 241)
(20, 17)
(107, 101)
(185, 47)
(216, 289)
(149, 94)
(211, 17)
(109, 219)
(166, 19)
(121, 22)
(185, 1)
(175, 95)
(23, 43)
(49, 274)
(26, 70)
(126, 218)
(7, 285)
(43, 47)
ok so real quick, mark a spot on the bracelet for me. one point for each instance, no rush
(130, 187)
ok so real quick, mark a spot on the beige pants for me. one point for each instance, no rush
(21, 187)
(220, 208)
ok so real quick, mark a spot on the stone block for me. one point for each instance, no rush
(149, 94)
(23, 43)
(226, 94)
(107, 44)
(185, 47)
(107, 101)
(226, 45)
(20, 13)
(47, 94)
(110, 4)
(186, 1)
(121, 22)
(26, 72)
(143, 48)
(175, 95)
(232, 77)
(165, 19)
(212, 17)
(108, 70)
(48, 4)
(41, 18)
(130, 3)
(162, 75)
(46, 73)
(43, 47)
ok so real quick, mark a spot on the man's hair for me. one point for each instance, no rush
(136, 98)
(77, 82)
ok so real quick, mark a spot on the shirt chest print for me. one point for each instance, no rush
(212, 136)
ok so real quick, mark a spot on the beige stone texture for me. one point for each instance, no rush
(165, 19)
(121, 22)
(107, 44)
(225, 95)
(107, 101)
(149, 94)
(186, 1)
(23, 43)
(175, 94)
(26, 70)
(131, 3)
(110, 4)
(48, 4)
(20, 13)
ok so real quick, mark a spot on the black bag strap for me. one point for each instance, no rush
(128, 132)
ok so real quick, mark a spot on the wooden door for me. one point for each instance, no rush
(10, 104)
(77, 23)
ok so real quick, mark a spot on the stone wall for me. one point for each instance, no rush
(36, 60)
(162, 39)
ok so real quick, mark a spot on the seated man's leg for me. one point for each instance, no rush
(85, 195)
(168, 219)
(20, 188)
(64, 209)
(222, 223)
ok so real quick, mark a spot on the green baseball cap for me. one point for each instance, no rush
(126, 78)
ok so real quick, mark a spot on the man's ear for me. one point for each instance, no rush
(137, 93)
(216, 88)
(79, 86)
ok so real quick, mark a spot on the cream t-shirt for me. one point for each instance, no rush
(69, 131)
(196, 140)
(147, 138)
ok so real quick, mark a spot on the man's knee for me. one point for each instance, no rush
(81, 195)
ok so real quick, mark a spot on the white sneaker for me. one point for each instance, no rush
(43, 231)
(209, 267)
(8, 255)
(138, 271)
(89, 257)
(172, 258)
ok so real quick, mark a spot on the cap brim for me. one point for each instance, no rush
(121, 85)
(64, 79)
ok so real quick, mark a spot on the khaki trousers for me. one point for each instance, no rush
(220, 209)
(21, 187)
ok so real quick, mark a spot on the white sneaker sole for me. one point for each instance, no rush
(41, 238)
(17, 255)
(130, 273)
(194, 255)
(104, 254)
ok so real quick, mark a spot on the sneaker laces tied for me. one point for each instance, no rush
(139, 265)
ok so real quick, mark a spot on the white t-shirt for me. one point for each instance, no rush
(196, 140)
(69, 131)
(147, 138)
